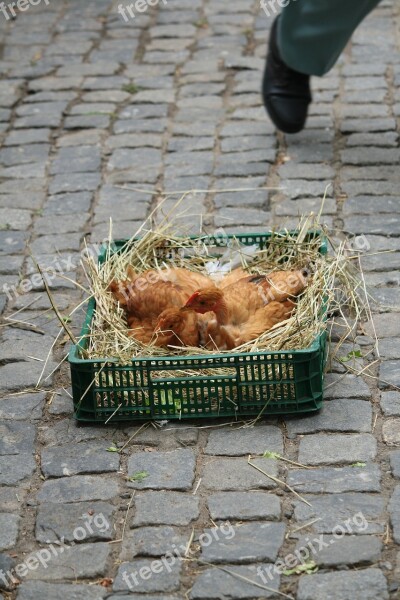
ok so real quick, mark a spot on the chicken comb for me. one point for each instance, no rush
(193, 296)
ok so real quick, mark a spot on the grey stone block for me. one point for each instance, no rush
(347, 386)
(344, 551)
(238, 582)
(134, 159)
(76, 159)
(17, 438)
(74, 182)
(362, 125)
(252, 440)
(27, 136)
(66, 521)
(25, 154)
(391, 431)
(6, 564)
(76, 562)
(166, 470)
(244, 506)
(19, 408)
(389, 348)
(61, 403)
(376, 225)
(384, 325)
(16, 468)
(337, 415)
(368, 204)
(395, 463)
(252, 542)
(334, 480)
(68, 223)
(9, 525)
(67, 431)
(355, 513)
(164, 508)
(389, 374)
(245, 216)
(345, 449)
(12, 242)
(368, 584)
(15, 218)
(148, 576)
(78, 489)
(236, 474)
(154, 541)
(77, 459)
(32, 590)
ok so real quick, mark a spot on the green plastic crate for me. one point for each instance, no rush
(271, 383)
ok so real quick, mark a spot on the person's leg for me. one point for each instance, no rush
(312, 33)
(306, 39)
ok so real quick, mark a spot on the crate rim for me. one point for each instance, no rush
(115, 245)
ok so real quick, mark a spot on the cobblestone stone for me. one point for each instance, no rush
(348, 386)
(129, 577)
(337, 415)
(395, 463)
(9, 525)
(369, 583)
(77, 489)
(60, 521)
(31, 590)
(252, 542)
(85, 561)
(244, 506)
(333, 510)
(391, 431)
(236, 474)
(337, 449)
(159, 475)
(239, 583)
(165, 508)
(389, 374)
(336, 480)
(16, 467)
(347, 550)
(255, 440)
(153, 541)
(77, 459)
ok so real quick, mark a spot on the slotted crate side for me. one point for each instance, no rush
(280, 383)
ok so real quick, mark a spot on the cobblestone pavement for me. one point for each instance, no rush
(169, 100)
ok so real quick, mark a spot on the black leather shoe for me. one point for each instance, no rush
(286, 92)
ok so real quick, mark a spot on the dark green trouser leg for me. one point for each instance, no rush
(313, 33)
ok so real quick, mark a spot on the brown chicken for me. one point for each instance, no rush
(177, 327)
(141, 329)
(227, 337)
(147, 295)
(223, 281)
(236, 303)
(188, 281)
